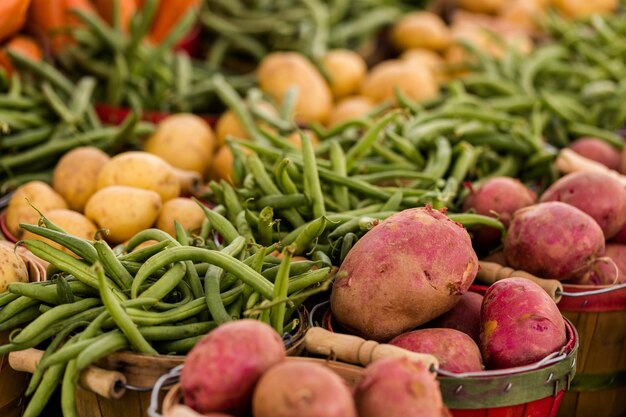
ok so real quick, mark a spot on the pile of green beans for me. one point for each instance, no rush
(43, 114)
(363, 171)
(242, 32)
(131, 72)
(571, 86)
(162, 298)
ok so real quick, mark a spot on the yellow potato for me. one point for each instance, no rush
(12, 268)
(577, 9)
(190, 181)
(40, 195)
(72, 222)
(486, 6)
(421, 30)
(141, 170)
(416, 82)
(523, 14)
(281, 70)
(185, 141)
(123, 210)
(350, 108)
(346, 70)
(75, 175)
(430, 59)
(295, 138)
(183, 210)
(229, 124)
(223, 164)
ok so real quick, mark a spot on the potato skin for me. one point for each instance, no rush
(407, 270)
(301, 389)
(464, 316)
(72, 222)
(597, 150)
(40, 195)
(553, 240)
(184, 141)
(184, 210)
(520, 324)
(76, 173)
(123, 210)
(455, 350)
(421, 30)
(221, 371)
(12, 268)
(604, 273)
(350, 108)
(482, 6)
(397, 387)
(346, 69)
(582, 8)
(416, 82)
(141, 170)
(281, 70)
(599, 195)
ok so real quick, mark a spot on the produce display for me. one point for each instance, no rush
(370, 208)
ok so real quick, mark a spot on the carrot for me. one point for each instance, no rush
(12, 16)
(22, 44)
(127, 9)
(168, 15)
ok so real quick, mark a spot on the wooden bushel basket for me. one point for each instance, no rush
(599, 389)
(14, 383)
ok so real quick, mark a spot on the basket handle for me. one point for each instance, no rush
(569, 161)
(491, 272)
(108, 384)
(354, 349)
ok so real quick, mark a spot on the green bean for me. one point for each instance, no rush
(20, 304)
(149, 234)
(320, 256)
(585, 130)
(469, 220)
(228, 263)
(191, 275)
(311, 177)
(281, 201)
(532, 67)
(288, 103)
(56, 103)
(265, 225)
(219, 223)
(213, 299)
(141, 255)
(277, 315)
(48, 318)
(353, 224)
(166, 283)
(180, 346)
(26, 315)
(295, 268)
(305, 235)
(363, 146)
(80, 247)
(179, 331)
(348, 241)
(43, 70)
(65, 294)
(231, 201)
(283, 180)
(71, 351)
(9, 297)
(150, 318)
(109, 343)
(302, 281)
(46, 388)
(121, 318)
(68, 390)
(229, 96)
(394, 174)
(338, 162)
(26, 138)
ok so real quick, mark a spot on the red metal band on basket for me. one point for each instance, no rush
(5, 230)
(598, 303)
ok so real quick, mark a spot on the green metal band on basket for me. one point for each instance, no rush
(599, 382)
(507, 390)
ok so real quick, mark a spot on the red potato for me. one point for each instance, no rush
(600, 195)
(301, 389)
(221, 371)
(597, 150)
(407, 270)
(520, 324)
(608, 273)
(553, 240)
(464, 317)
(455, 350)
(397, 387)
(497, 197)
(620, 237)
(623, 168)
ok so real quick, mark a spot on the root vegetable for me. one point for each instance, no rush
(421, 30)
(280, 71)
(350, 108)
(620, 237)
(12, 268)
(464, 316)
(123, 210)
(455, 350)
(397, 387)
(584, 8)
(497, 197)
(346, 70)
(184, 141)
(75, 175)
(599, 195)
(482, 6)
(553, 240)
(141, 170)
(428, 58)
(183, 210)
(37, 193)
(409, 269)
(416, 82)
(597, 150)
(520, 324)
(301, 389)
(604, 273)
(221, 371)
